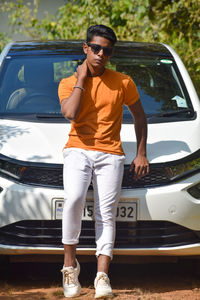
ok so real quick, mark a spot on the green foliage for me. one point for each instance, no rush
(174, 22)
(22, 17)
(177, 23)
(3, 40)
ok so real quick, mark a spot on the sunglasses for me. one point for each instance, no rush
(107, 51)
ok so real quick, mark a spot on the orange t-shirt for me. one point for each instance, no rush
(98, 125)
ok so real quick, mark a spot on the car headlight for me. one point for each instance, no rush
(33, 173)
(11, 169)
(186, 166)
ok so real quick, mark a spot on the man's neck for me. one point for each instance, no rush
(95, 72)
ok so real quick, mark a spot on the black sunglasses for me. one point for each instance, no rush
(107, 51)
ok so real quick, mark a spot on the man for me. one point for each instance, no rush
(93, 100)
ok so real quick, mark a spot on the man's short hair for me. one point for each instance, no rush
(101, 30)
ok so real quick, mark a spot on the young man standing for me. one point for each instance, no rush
(93, 100)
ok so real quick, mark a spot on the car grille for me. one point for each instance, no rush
(145, 234)
(53, 177)
(43, 176)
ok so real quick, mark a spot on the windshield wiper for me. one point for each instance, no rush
(49, 116)
(189, 111)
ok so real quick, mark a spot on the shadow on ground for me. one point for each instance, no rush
(35, 280)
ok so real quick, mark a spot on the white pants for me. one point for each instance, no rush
(106, 172)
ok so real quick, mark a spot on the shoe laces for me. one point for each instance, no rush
(69, 277)
(103, 279)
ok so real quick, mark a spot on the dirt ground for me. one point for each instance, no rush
(154, 281)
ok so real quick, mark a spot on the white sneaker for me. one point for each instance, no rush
(102, 286)
(71, 285)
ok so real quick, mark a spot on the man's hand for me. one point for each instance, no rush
(141, 167)
(82, 71)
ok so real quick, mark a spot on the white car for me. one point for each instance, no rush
(157, 215)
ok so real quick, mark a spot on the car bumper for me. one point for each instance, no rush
(171, 203)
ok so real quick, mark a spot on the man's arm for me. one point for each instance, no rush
(70, 106)
(140, 163)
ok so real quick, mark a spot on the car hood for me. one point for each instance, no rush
(44, 142)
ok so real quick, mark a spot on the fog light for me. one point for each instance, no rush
(1, 189)
(194, 191)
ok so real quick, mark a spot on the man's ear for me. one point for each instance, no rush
(85, 48)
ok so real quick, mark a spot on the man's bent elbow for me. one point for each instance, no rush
(70, 118)
(68, 115)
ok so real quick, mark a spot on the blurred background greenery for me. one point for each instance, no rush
(173, 22)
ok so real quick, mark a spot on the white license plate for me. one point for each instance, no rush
(126, 211)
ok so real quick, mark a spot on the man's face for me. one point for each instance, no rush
(97, 56)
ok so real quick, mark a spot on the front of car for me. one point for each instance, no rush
(157, 215)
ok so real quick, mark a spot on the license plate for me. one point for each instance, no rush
(126, 211)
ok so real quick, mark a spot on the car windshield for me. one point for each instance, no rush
(29, 86)
(160, 86)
